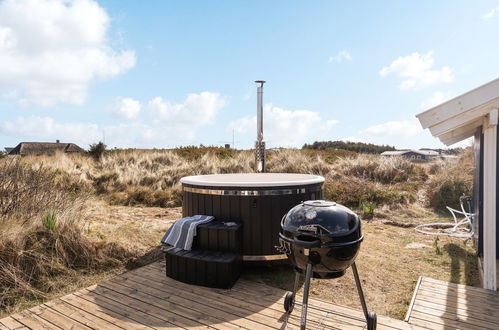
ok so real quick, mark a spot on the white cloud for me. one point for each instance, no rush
(342, 55)
(286, 128)
(399, 133)
(490, 14)
(47, 129)
(436, 99)
(52, 50)
(403, 128)
(196, 110)
(417, 71)
(127, 108)
(166, 125)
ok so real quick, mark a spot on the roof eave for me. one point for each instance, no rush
(459, 118)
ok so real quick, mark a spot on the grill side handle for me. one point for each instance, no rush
(299, 242)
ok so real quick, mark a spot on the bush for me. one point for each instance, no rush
(453, 180)
(386, 170)
(97, 150)
(34, 252)
(360, 147)
(351, 191)
(367, 209)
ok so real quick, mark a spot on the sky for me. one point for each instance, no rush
(161, 74)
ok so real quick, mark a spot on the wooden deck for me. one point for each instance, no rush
(439, 304)
(146, 298)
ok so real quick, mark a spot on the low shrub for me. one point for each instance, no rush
(42, 236)
(351, 191)
(454, 179)
(97, 150)
(386, 170)
(49, 221)
(367, 209)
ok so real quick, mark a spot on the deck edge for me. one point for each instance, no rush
(411, 304)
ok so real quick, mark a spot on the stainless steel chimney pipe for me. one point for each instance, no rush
(259, 144)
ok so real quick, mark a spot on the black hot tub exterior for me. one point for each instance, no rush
(256, 200)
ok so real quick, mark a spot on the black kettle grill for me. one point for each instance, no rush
(323, 239)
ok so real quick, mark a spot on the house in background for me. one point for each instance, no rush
(7, 150)
(44, 148)
(412, 154)
(475, 114)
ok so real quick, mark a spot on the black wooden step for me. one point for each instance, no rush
(206, 268)
(216, 236)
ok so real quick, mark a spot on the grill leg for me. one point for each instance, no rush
(371, 317)
(297, 282)
(308, 275)
(289, 299)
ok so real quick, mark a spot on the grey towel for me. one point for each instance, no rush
(181, 233)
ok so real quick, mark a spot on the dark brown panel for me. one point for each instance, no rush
(260, 215)
(235, 209)
(256, 226)
(195, 208)
(277, 213)
(208, 204)
(225, 208)
(247, 224)
(217, 213)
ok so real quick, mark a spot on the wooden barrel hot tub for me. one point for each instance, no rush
(256, 200)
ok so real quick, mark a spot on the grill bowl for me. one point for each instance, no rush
(325, 233)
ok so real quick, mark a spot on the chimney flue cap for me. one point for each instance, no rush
(261, 82)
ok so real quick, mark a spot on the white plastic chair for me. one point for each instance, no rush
(462, 228)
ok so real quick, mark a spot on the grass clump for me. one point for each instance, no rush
(451, 180)
(49, 221)
(35, 254)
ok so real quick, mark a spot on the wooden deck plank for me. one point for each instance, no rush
(57, 319)
(471, 298)
(33, 321)
(146, 298)
(434, 313)
(257, 296)
(122, 310)
(11, 323)
(242, 301)
(139, 311)
(79, 315)
(193, 312)
(158, 289)
(448, 305)
(459, 288)
(491, 319)
(411, 304)
(102, 312)
(488, 314)
(327, 306)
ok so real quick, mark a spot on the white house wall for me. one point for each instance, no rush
(489, 202)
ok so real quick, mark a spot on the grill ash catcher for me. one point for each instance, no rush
(321, 239)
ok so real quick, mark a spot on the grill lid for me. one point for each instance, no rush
(320, 218)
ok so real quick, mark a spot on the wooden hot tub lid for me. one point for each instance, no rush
(253, 180)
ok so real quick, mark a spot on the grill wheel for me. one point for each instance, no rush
(289, 302)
